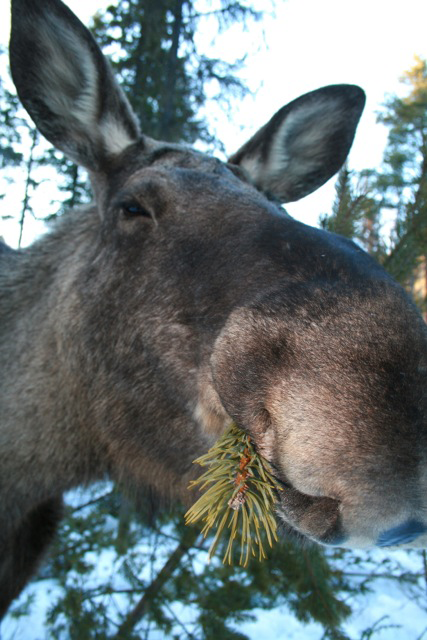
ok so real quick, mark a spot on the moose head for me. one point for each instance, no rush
(185, 298)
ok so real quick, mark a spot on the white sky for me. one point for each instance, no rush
(311, 43)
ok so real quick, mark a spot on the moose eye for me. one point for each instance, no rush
(134, 210)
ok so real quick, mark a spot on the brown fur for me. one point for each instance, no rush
(138, 327)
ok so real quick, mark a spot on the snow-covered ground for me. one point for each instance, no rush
(392, 611)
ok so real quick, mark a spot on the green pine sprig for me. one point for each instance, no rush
(240, 495)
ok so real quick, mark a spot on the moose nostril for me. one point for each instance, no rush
(403, 533)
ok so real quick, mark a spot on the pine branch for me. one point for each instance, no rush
(409, 576)
(167, 108)
(80, 507)
(314, 580)
(189, 538)
(179, 623)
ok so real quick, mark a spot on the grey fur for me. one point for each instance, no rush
(184, 297)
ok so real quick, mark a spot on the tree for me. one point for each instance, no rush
(166, 79)
(158, 580)
(160, 67)
(10, 156)
(403, 182)
(9, 137)
(345, 217)
(356, 210)
(18, 149)
(363, 199)
(23, 151)
(154, 580)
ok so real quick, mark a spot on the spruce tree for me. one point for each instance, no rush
(9, 137)
(403, 181)
(10, 155)
(345, 216)
(152, 47)
(356, 210)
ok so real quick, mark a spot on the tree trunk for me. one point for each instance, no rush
(189, 538)
(167, 108)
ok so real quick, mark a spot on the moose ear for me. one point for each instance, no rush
(66, 83)
(304, 144)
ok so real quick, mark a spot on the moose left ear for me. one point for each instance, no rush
(304, 144)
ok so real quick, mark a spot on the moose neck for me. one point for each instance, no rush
(39, 314)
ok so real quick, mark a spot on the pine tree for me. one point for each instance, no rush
(371, 226)
(345, 215)
(9, 137)
(356, 210)
(362, 198)
(159, 66)
(159, 581)
(403, 181)
(24, 156)
(10, 156)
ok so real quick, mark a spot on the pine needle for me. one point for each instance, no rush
(240, 493)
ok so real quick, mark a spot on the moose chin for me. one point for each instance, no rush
(185, 298)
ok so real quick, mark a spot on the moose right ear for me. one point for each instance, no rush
(66, 84)
(304, 144)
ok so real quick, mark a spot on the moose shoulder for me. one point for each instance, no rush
(184, 298)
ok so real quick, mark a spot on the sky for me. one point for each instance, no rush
(304, 45)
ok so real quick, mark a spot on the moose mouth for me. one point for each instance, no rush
(317, 519)
(303, 517)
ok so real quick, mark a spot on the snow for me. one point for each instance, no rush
(393, 611)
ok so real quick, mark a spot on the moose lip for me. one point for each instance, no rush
(314, 517)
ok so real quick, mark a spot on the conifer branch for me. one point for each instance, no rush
(189, 538)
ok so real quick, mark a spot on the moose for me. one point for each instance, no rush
(186, 298)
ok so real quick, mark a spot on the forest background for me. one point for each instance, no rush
(123, 572)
